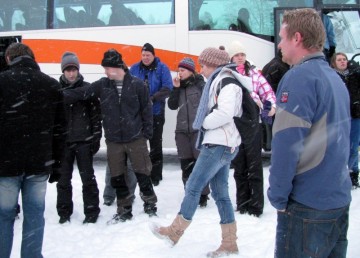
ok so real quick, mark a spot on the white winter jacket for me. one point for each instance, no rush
(219, 124)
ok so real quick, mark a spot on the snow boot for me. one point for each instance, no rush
(228, 244)
(150, 209)
(173, 232)
(123, 214)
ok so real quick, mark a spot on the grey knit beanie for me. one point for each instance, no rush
(188, 64)
(69, 59)
(214, 57)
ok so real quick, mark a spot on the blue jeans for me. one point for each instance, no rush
(303, 232)
(211, 166)
(33, 190)
(354, 145)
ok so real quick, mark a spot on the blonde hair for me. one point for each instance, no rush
(309, 24)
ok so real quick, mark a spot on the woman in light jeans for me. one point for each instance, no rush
(218, 141)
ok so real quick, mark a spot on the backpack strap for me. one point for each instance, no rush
(250, 109)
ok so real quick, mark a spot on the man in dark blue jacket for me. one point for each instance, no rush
(157, 77)
(32, 139)
(83, 141)
(309, 180)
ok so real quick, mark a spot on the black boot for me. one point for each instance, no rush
(203, 201)
(123, 214)
(354, 179)
(150, 209)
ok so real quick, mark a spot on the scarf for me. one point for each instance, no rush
(344, 73)
(203, 111)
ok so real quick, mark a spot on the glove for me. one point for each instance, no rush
(95, 146)
(54, 176)
(265, 113)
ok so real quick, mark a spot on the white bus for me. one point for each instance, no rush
(176, 28)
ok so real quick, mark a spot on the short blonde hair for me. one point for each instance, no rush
(309, 24)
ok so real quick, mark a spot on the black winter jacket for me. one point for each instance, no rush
(32, 120)
(352, 82)
(125, 119)
(186, 99)
(83, 117)
(274, 71)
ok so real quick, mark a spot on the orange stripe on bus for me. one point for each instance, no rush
(90, 52)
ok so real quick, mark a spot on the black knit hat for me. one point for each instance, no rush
(112, 58)
(148, 47)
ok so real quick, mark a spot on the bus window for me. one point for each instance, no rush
(87, 13)
(2, 20)
(29, 15)
(122, 13)
(347, 31)
(339, 1)
(72, 14)
(117, 14)
(254, 17)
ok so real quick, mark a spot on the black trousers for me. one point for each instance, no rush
(156, 153)
(84, 158)
(248, 175)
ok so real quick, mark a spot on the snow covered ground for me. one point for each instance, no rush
(134, 239)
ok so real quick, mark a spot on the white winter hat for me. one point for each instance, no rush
(235, 48)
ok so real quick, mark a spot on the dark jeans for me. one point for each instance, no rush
(83, 154)
(248, 175)
(156, 154)
(303, 232)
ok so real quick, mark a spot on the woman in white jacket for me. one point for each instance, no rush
(218, 142)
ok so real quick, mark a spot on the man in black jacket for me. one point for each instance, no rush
(83, 141)
(32, 137)
(128, 123)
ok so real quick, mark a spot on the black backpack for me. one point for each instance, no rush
(248, 123)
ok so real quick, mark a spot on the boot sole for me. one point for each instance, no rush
(154, 228)
(113, 222)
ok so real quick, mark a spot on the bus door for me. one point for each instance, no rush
(4, 43)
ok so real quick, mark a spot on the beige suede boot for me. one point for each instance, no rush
(173, 232)
(228, 244)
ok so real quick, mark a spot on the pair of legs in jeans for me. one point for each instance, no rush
(33, 190)
(304, 232)
(211, 166)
